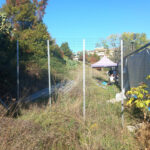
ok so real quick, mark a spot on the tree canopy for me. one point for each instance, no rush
(5, 26)
(22, 20)
(25, 13)
(132, 41)
(66, 50)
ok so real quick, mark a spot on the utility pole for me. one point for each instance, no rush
(132, 44)
(122, 90)
(17, 70)
(84, 80)
(49, 74)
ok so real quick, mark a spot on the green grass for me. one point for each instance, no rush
(107, 117)
(62, 126)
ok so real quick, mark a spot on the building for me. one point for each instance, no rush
(76, 56)
(100, 51)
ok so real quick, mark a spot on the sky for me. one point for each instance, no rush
(74, 20)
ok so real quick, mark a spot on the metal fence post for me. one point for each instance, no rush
(84, 80)
(17, 70)
(49, 74)
(122, 90)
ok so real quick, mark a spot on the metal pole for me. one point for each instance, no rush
(122, 90)
(132, 45)
(49, 75)
(17, 70)
(84, 80)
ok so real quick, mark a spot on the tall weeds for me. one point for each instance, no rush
(61, 127)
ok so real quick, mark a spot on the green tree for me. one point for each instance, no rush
(103, 43)
(114, 42)
(5, 26)
(66, 50)
(25, 13)
(25, 19)
(133, 41)
(7, 58)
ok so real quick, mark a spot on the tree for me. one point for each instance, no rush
(103, 43)
(7, 58)
(133, 41)
(25, 19)
(5, 26)
(67, 51)
(93, 58)
(114, 42)
(25, 14)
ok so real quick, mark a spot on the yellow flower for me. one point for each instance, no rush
(129, 93)
(147, 102)
(130, 101)
(148, 77)
(140, 96)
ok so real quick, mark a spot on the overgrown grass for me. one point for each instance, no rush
(62, 127)
(106, 117)
(71, 64)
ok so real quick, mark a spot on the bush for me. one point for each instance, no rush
(139, 97)
(71, 64)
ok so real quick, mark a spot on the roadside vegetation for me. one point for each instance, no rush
(138, 107)
(22, 21)
(62, 127)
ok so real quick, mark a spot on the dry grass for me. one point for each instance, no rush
(143, 135)
(3, 111)
(61, 127)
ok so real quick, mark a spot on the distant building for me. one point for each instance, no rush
(100, 51)
(90, 52)
(76, 56)
(111, 52)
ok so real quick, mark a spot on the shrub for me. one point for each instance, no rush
(139, 97)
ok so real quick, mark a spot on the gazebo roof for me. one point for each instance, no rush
(104, 62)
